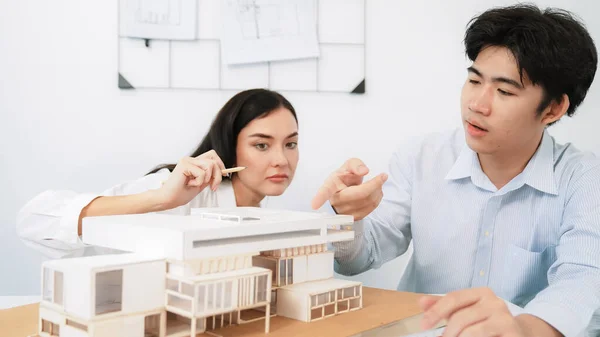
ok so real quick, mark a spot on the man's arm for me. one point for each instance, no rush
(532, 326)
(573, 294)
(385, 232)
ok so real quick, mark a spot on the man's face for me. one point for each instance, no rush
(499, 111)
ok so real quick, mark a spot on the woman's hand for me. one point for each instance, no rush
(190, 176)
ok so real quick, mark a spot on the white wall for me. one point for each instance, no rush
(64, 123)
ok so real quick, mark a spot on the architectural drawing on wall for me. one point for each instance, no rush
(183, 275)
(268, 30)
(286, 53)
(158, 19)
(159, 12)
(266, 19)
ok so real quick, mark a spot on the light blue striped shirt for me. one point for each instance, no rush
(535, 242)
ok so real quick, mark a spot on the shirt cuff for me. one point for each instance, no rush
(344, 250)
(566, 322)
(327, 208)
(67, 229)
(351, 257)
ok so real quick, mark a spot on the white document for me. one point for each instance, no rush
(158, 19)
(428, 333)
(515, 310)
(268, 30)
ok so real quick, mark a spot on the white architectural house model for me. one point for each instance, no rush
(184, 275)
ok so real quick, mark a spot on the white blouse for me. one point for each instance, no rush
(48, 222)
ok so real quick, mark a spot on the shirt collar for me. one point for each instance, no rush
(463, 165)
(539, 172)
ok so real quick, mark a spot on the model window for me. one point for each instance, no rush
(109, 291)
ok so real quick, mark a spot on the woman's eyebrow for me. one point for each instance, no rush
(262, 135)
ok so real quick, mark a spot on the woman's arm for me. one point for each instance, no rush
(51, 221)
(53, 218)
(145, 202)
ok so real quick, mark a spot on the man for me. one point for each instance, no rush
(498, 210)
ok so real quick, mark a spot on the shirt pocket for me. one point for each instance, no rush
(525, 273)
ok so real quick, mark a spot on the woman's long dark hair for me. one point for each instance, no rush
(240, 110)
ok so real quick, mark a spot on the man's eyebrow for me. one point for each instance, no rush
(474, 71)
(506, 80)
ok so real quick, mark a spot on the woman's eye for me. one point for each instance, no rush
(292, 145)
(261, 146)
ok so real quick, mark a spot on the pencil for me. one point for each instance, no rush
(233, 169)
(224, 171)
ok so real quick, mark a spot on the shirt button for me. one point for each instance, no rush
(487, 233)
(481, 273)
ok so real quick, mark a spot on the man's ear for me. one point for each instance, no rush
(555, 110)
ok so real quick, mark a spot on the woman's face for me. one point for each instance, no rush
(268, 148)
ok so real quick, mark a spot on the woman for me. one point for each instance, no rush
(256, 129)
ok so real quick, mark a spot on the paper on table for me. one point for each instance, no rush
(158, 19)
(268, 30)
(515, 310)
(428, 333)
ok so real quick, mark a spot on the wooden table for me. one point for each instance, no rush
(380, 309)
